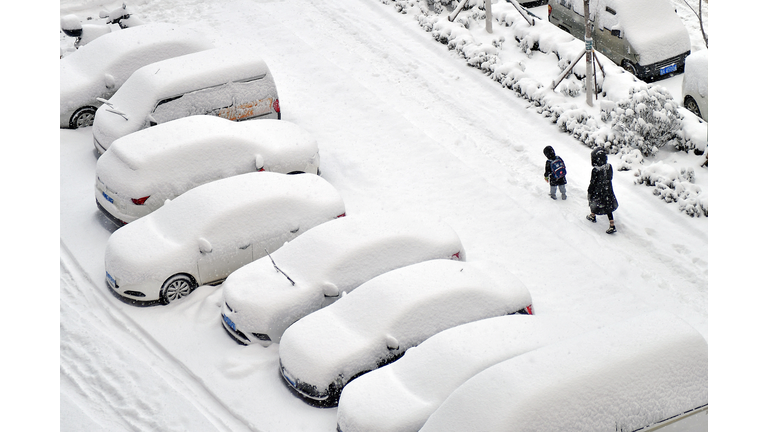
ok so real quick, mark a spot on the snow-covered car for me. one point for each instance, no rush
(696, 84)
(375, 324)
(231, 82)
(141, 170)
(205, 234)
(402, 395)
(97, 70)
(645, 37)
(642, 372)
(260, 302)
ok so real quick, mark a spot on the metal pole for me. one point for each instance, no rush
(488, 17)
(588, 49)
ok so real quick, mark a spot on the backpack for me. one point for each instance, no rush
(558, 168)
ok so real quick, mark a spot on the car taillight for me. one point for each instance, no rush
(456, 256)
(549, 11)
(529, 309)
(341, 215)
(276, 106)
(139, 201)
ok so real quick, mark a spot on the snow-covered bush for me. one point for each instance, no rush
(675, 185)
(647, 120)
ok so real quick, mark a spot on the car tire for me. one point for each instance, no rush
(690, 104)
(83, 117)
(177, 287)
(629, 67)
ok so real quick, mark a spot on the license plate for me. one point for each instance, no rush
(667, 69)
(229, 323)
(107, 197)
(111, 280)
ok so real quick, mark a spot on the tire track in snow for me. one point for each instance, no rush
(122, 373)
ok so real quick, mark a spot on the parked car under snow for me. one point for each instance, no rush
(401, 396)
(696, 84)
(141, 170)
(232, 82)
(208, 232)
(259, 301)
(100, 68)
(648, 370)
(381, 319)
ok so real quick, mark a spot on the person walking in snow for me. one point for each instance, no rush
(554, 173)
(602, 200)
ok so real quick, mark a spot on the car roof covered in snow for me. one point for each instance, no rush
(180, 150)
(402, 395)
(624, 376)
(120, 53)
(338, 256)
(393, 312)
(178, 75)
(696, 78)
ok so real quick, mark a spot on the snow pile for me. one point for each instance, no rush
(623, 376)
(673, 185)
(382, 318)
(402, 395)
(632, 115)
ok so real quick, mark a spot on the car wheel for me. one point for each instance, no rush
(629, 67)
(176, 287)
(691, 105)
(82, 117)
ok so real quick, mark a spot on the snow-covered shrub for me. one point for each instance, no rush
(647, 120)
(673, 185)
(628, 158)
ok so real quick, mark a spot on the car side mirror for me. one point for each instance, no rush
(109, 81)
(330, 290)
(151, 120)
(204, 245)
(259, 162)
(392, 343)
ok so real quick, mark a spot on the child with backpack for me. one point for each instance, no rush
(554, 173)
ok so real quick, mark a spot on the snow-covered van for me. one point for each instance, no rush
(645, 37)
(234, 83)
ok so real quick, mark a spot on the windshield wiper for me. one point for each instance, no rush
(105, 102)
(278, 268)
(120, 113)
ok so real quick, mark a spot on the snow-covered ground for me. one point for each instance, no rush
(404, 126)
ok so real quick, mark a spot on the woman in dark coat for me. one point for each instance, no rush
(602, 201)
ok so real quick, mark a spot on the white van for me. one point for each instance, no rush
(645, 37)
(234, 83)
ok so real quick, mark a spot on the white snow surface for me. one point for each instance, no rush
(402, 395)
(404, 126)
(624, 376)
(393, 312)
(697, 73)
(332, 258)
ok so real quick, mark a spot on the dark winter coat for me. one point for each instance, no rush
(600, 192)
(549, 152)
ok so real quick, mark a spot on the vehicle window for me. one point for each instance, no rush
(199, 102)
(250, 98)
(610, 11)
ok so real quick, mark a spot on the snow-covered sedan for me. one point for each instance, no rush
(208, 232)
(97, 70)
(696, 84)
(141, 170)
(380, 320)
(402, 395)
(262, 299)
(638, 374)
